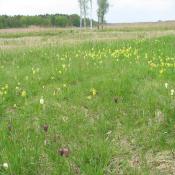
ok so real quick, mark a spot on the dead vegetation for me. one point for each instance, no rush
(76, 38)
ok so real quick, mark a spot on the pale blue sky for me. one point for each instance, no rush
(120, 10)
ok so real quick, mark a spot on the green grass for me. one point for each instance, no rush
(104, 101)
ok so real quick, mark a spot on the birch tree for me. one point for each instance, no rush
(81, 12)
(91, 20)
(84, 5)
(85, 11)
(103, 6)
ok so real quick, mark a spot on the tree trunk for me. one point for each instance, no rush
(98, 22)
(81, 20)
(91, 16)
(84, 22)
(84, 15)
(102, 22)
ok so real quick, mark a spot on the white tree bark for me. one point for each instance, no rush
(91, 20)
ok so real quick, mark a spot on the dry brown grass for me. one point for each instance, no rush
(145, 26)
(37, 37)
(33, 29)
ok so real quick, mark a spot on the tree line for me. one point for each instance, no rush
(59, 20)
(56, 20)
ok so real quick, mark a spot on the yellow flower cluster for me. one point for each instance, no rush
(162, 64)
(64, 66)
(4, 90)
(35, 70)
(21, 92)
(93, 93)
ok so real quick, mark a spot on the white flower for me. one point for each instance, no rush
(41, 101)
(172, 92)
(5, 165)
(166, 85)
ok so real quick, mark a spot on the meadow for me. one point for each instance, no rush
(87, 102)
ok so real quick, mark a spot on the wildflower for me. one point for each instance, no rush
(23, 93)
(37, 69)
(14, 105)
(6, 86)
(41, 101)
(89, 97)
(65, 118)
(153, 65)
(64, 152)
(17, 88)
(5, 165)
(166, 85)
(172, 92)
(45, 127)
(64, 66)
(33, 71)
(161, 71)
(27, 78)
(45, 142)
(94, 92)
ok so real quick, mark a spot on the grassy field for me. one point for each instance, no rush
(87, 103)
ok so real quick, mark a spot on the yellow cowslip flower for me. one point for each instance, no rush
(89, 97)
(153, 65)
(94, 92)
(23, 93)
(172, 92)
(64, 66)
(6, 86)
(161, 71)
(17, 88)
(27, 78)
(38, 69)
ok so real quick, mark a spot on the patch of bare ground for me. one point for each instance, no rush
(127, 161)
(163, 162)
(130, 160)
